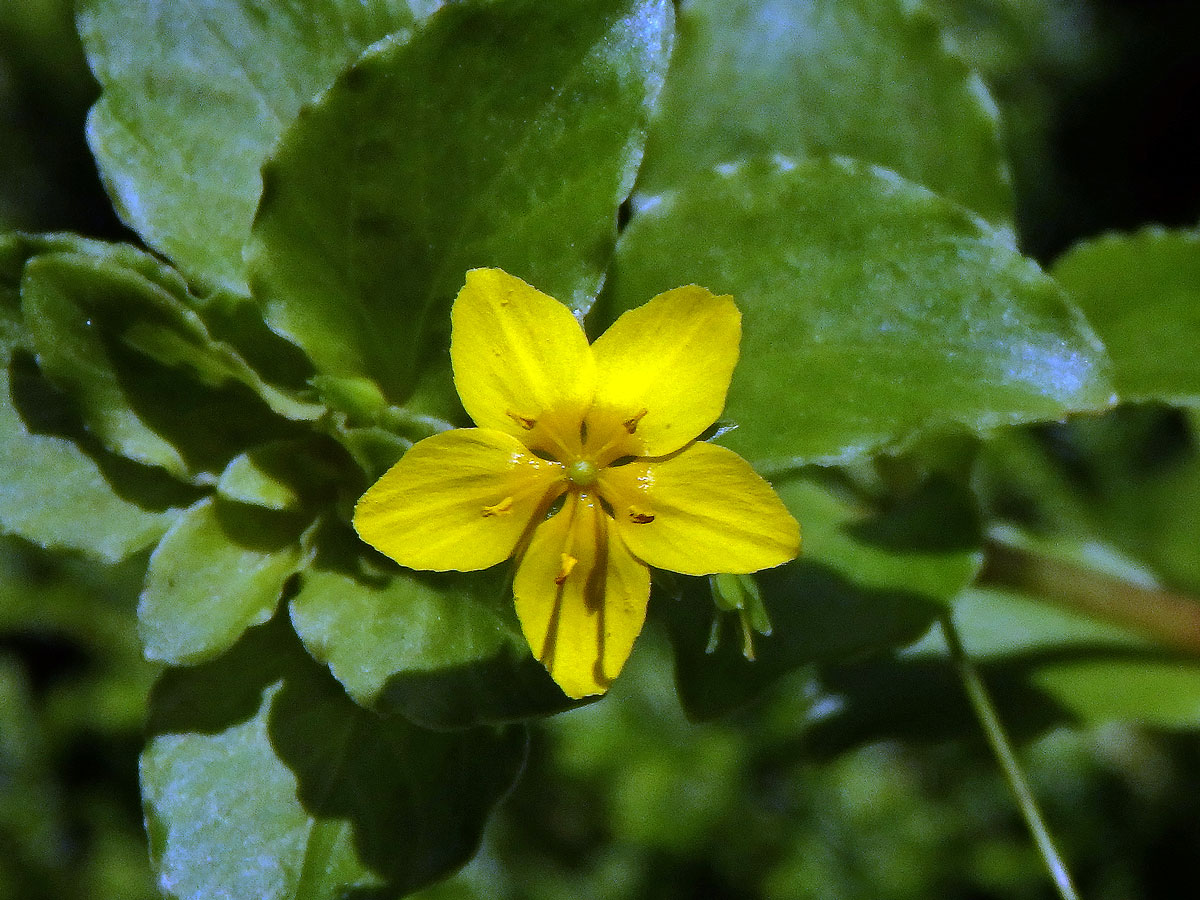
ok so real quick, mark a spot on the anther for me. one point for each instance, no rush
(640, 518)
(631, 424)
(564, 571)
(524, 421)
(500, 509)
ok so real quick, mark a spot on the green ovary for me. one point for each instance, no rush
(583, 473)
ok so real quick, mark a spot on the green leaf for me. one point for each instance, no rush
(219, 570)
(1127, 481)
(1154, 690)
(148, 306)
(1096, 671)
(17, 248)
(443, 649)
(236, 321)
(871, 79)
(71, 352)
(1043, 664)
(873, 310)
(288, 475)
(374, 450)
(50, 470)
(1141, 292)
(502, 134)
(260, 477)
(147, 378)
(262, 779)
(193, 98)
(864, 581)
(1154, 514)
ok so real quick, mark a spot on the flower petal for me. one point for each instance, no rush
(663, 369)
(581, 597)
(519, 356)
(699, 512)
(459, 500)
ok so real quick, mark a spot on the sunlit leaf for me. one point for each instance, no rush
(1141, 292)
(873, 310)
(195, 95)
(871, 79)
(218, 571)
(502, 134)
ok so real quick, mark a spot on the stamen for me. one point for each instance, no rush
(631, 424)
(503, 508)
(640, 517)
(564, 571)
(524, 421)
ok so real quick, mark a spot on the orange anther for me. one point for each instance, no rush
(500, 509)
(524, 421)
(631, 424)
(568, 563)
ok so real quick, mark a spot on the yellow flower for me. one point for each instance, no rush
(610, 429)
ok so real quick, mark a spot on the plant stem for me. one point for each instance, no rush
(1169, 618)
(985, 711)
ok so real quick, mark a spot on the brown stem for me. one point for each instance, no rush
(1169, 618)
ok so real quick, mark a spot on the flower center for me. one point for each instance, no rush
(583, 473)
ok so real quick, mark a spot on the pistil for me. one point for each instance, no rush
(583, 473)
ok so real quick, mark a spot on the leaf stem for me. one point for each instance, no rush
(985, 712)
(1169, 618)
